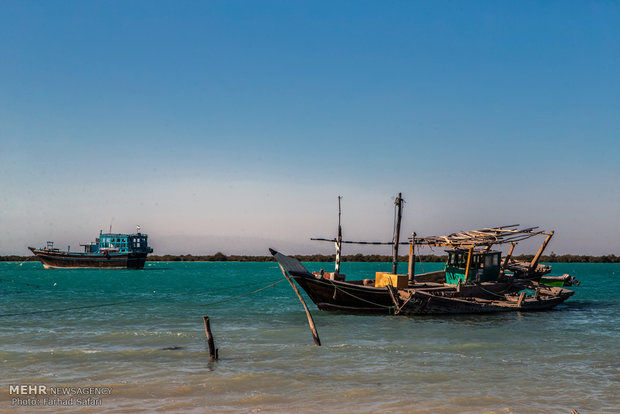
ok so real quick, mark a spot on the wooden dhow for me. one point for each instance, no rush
(108, 251)
(475, 279)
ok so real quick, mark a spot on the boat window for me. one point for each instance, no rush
(496, 260)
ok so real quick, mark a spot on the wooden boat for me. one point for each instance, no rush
(109, 251)
(424, 302)
(422, 297)
(564, 280)
(474, 279)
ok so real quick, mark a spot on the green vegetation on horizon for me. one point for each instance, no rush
(220, 257)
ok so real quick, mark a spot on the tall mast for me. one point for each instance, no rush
(338, 239)
(399, 214)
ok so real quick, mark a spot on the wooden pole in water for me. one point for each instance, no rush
(399, 215)
(213, 354)
(315, 334)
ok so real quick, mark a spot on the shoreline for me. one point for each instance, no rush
(220, 257)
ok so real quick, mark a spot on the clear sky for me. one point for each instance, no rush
(234, 125)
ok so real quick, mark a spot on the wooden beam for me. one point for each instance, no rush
(315, 334)
(536, 258)
(507, 258)
(471, 249)
(411, 271)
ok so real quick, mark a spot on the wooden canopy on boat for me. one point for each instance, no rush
(484, 237)
(487, 236)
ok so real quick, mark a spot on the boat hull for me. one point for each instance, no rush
(422, 297)
(66, 260)
(415, 302)
(332, 295)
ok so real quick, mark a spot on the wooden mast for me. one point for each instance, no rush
(411, 272)
(536, 258)
(469, 254)
(399, 215)
(338, 240)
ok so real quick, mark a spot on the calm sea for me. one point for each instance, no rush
(132, 341)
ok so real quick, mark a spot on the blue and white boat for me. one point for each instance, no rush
(108, 251)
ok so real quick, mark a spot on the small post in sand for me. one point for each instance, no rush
(213, 352)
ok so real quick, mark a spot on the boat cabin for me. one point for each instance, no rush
(118, 243)
(484, 266)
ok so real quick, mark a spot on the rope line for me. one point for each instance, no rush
(352, 295)
(362, 299)
(492, 293)
(174, 294)
(68, 309)
(132, 301)
(244, 295)
(20, 283)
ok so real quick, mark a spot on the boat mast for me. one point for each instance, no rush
(411, 271)
(399, 214)
(338, 239)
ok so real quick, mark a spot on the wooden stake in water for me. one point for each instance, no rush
(213, 352)
(315, 334)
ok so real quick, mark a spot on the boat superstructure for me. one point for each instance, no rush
(108, 251)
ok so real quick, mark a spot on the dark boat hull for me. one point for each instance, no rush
(415, 302)
(422, 298)
(64, 260)
(332, 295)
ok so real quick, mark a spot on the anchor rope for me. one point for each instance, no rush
(272, 284)
(244, 295)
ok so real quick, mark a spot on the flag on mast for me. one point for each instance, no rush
(138, 227)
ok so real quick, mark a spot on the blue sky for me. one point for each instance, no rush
(233, 125)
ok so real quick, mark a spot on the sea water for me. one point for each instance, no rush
(126, 341)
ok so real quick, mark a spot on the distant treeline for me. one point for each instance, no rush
(221, 257)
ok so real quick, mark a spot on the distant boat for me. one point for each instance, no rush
(108, 251)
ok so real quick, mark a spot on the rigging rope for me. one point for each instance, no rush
(352, 295)
(419, 258)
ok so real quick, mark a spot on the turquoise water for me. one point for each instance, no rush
(118, 324)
